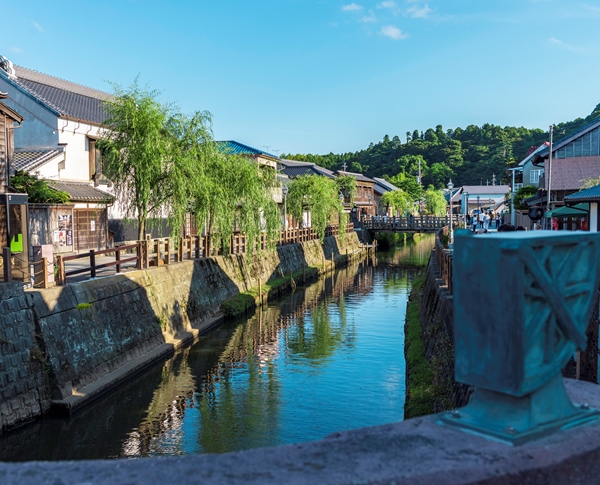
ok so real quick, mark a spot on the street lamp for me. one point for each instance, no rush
(450, 187)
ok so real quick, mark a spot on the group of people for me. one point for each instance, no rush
(483, 220)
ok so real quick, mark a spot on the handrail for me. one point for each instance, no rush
(157, 252)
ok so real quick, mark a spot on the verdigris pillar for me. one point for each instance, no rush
(522, 303)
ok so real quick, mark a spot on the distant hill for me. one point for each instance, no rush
(469, 156)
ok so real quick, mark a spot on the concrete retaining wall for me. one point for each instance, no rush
(63, 346)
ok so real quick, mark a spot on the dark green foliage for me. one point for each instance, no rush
(37, 190)
(470, 156)
(524, 193)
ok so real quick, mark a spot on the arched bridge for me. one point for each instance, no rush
(407, 224)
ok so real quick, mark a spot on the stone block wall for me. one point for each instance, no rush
(437, 319)
(22, 377)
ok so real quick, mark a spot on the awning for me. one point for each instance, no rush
(579, 210)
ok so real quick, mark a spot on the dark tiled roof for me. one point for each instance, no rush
(588, 195)
(82, 192)
(385, 184)
(69, 99)
(30, 159)
(11, 113)
(293, 169)
(236, 148)
(486, 189)
(569, 173)
(358, 176)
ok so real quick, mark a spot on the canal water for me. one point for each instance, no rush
(327, 358)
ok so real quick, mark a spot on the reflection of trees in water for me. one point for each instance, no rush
(410, 252)
(161, 430)
(237, 388)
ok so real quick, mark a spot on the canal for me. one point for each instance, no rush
(326, 358)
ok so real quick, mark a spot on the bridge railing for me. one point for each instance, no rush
(443, 258)
(417, 224)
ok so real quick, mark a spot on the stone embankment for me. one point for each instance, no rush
(63, 346)
(436, 316)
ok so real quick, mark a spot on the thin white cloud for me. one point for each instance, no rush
(16, 50)
(591, 8)
(393, 32)
(391, 5)
(417, 12)
(37, 26)
(370, 19)
(352, 7)
(560, 43)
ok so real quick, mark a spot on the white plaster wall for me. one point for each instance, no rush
(77, 162)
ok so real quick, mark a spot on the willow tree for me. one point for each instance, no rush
(435, 202)
(237, 194)
(154, 156)
(397, 200)
(347, 187)
(319, 196)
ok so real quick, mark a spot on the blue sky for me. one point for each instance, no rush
(320, 76)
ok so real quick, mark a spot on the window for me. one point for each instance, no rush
(96, 162)
(534, 176)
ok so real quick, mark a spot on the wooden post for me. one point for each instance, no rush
(197, 252)
(168, 250)
(7, 268)
(156, 251)
(117, 259)
(146, 245)
(180, 250)
(259, 290)
(45, 272)
(61, 277)
(93, 263)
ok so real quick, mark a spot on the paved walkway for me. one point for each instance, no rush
(84, 263)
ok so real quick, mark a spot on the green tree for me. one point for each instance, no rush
(397, 200)
(435, 202)
(319, 196)
(235, 193)
(38, 190)
(590, 182)
(347, 186)
(523, 193)
(152, 154)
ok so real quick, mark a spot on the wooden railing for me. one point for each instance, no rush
(158, 252)
(92, 268)
(407, 224)
(443, 258)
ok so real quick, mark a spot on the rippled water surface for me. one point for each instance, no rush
(327, 358)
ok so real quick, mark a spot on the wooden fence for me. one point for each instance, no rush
(158, 252)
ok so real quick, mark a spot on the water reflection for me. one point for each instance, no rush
(326, 358)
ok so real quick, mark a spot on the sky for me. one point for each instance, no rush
(321, 76)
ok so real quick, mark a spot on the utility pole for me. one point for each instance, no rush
(548, 193)
(494, 179)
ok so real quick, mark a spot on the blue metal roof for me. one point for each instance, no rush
(591, 194)
(237, 148)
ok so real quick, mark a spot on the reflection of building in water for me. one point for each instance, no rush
(311, 319)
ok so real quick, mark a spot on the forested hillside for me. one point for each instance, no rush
(470, 156)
